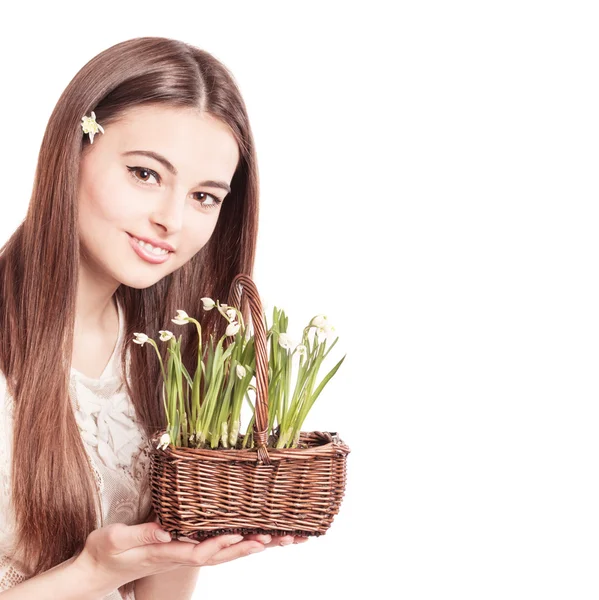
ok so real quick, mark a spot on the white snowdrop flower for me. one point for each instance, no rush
(301, 349)
(285, 341)
(240, 371)
(224, 306)
(323, 328)
(140, 338)
(208, 303)
(231, 313)
(325, 332)
(91, 126)
(232, 328)
(181, 318)
(165, 335)
(165, 440)
(318, 321)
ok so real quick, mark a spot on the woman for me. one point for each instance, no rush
(145, 200)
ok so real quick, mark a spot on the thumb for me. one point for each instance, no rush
(125, 537)
(150, 533)
(160, 534)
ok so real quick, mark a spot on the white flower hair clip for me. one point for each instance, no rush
(91, 126)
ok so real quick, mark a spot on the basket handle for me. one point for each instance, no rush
(243, 281)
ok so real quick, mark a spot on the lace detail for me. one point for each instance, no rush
(105, 421)
(9, 404)
(92, 463)
(10, 575)
(113, 438)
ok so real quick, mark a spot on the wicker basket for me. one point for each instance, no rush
(200, 493)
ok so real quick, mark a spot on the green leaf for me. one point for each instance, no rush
(326, 380)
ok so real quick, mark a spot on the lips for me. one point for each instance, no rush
(155, 243)
(156, 259)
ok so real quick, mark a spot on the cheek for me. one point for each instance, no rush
(105, 202)
(196, 233)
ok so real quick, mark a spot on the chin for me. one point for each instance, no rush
(140, 283)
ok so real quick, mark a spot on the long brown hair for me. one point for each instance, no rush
(53, 489)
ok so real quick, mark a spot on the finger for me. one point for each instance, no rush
(121, 537)
(236, 551)
(282, 540)
(194, 554)
(182, 553)
(277, 540)
(263, 538)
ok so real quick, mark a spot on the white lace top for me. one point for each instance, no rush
(114, 443)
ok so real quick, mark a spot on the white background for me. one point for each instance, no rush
(429, 182)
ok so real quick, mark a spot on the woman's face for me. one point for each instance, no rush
(124, 193)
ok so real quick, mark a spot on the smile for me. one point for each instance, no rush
(148, 252)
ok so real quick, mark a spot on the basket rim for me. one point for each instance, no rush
(333, 446)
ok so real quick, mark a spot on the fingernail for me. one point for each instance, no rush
(267, 538)
(163, 536)
(234, 539)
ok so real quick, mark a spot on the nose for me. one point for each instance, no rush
(168, 212)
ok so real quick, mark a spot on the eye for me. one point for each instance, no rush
(213, 201)
(133, 170)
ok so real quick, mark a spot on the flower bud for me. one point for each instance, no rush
(165, 440)
(285, 341)
(208, 303)
(140, 338)
(301, 349)
(181, 318)
(232, 328)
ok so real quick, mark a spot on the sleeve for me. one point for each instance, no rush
(11, 573)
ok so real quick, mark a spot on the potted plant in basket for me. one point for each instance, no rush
(206, 477)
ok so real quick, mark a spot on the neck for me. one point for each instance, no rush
(95, 304)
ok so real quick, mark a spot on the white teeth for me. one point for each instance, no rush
(151, 248)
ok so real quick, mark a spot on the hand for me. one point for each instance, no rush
(272, 541)
(265, 541)
(119, 553)
(260, 541)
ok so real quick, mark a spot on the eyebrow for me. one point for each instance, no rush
(172, 169)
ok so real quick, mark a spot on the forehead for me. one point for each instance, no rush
(183, 135)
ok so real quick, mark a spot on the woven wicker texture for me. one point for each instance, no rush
(200, 493)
